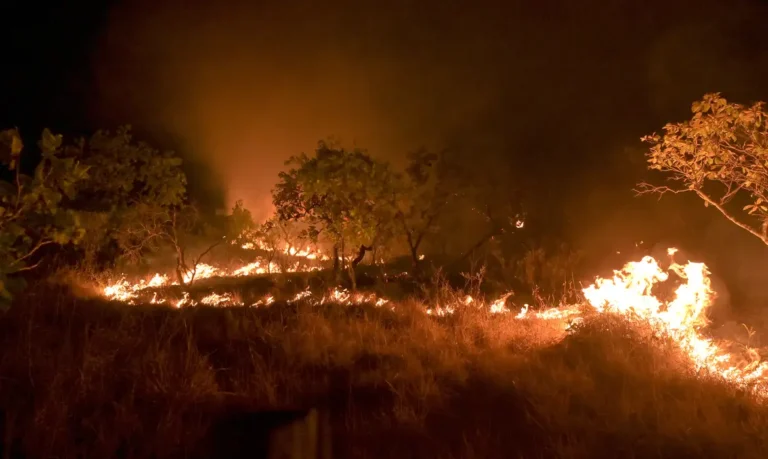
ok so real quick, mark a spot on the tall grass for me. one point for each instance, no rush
(85, 378)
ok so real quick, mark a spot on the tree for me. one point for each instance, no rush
(421, 198)
(33, 214)
(343, 196)
(126, 177)
(178, 227)
(491, 193)
(720, 155)
(279, 239)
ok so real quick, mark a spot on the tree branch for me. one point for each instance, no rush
(39, 245)
(733, 220)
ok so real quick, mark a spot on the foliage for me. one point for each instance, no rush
(33, 211)
(344, 196)
(548, 273)
(422, 197)
(239, 226)
(721, 155)
(276, 238)
(487, 191)
(126, 176)
(127, 172)
(157, 227)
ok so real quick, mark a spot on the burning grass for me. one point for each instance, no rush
(87, 379)
(631, 373)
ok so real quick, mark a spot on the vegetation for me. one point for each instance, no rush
(88, 379)
(342, 196)
(33, 209)
(178, 227)
(111, 196)
(130, 183)
(422, 198)
(83, 377)
(721, 155)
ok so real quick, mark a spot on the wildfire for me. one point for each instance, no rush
(286, 249)
(629, 293)
(683, 318)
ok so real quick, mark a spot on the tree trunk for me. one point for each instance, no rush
(352, 266)
(352, 276)
(181, 265)
(335, 258)
(415, 259)
(360, 254)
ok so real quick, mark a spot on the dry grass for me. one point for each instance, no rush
(81, 378)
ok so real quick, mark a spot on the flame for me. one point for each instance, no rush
(629, 293)
(215, 299)
(499, 306)
(441, 311)
(683, 318)
(202, 271)
(286, 249)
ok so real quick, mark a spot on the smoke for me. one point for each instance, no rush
(248, 85)
(560, 94)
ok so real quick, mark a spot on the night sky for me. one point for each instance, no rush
(558, 92)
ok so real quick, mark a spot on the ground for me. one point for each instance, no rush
(88, 378)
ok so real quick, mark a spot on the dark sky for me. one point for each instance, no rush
(560, 91)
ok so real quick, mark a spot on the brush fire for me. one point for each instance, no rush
(673, 301)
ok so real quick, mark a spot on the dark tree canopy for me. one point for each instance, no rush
(342, 195)
(33, 209)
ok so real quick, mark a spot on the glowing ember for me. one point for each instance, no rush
(286, 249)
(202, 271)
(265, 302)
(441, 311)
(215, 299)
(301, 295)
(249, 269)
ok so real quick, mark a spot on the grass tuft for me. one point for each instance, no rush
(87, 378)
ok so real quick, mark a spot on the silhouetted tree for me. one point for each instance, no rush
(177, 227)
(32, 208)
(343, 196)
(721, 155)
(127, 178)
(421, 198)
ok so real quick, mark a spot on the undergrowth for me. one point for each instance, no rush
(87, 378)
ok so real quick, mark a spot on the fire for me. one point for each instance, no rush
(499, 306)
(202, 271)
(287, 249)
(683, 318)
(215, 299)
(681, 315)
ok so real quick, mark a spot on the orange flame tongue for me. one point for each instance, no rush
(629, 293)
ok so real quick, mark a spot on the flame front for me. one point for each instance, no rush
(629, 293)
(683, 318)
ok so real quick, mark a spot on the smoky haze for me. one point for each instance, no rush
(561, 94)
(248, 85)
